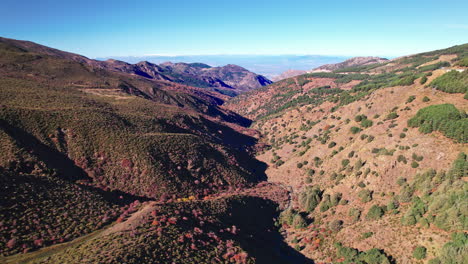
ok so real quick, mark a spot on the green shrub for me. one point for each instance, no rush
(420, 252)
(416, 157)
(365, 195)
(426, 99)
(359, 118)
(287, 216)
(332, 144)
(423, 80)
(366, 123)
(345, 162)
(391, 115)
(367, 235)
(299, 221)
(336, 198)
(434, 66)
(355, 130)
(411, 99)
(335, 225)
(310, 198)
(414, 164)
(355, 214)
(406, 194)
(393, 205)
(401, 181)
(375, 212)
(279, 163)
(402, 158)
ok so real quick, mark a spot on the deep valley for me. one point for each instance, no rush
(109, 162)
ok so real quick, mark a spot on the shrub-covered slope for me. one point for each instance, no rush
(214, 231)
(372, 156)
(38, 211)
(349, 84)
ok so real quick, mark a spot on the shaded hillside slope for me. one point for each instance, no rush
(205, 232)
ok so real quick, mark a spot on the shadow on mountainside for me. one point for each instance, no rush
(52, 158)
(258, 234)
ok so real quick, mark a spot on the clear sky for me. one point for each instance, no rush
(102, 28)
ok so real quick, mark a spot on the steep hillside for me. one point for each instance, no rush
(375, 156)
(99, 165)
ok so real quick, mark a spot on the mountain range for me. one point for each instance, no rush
(266, 65)
(230, 79)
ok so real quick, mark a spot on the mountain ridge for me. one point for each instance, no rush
(229, 79)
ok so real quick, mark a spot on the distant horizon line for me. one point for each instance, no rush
(245, 54)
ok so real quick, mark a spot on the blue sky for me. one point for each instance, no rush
(103, 28)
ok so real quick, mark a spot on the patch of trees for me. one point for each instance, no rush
(445, 118)
(452, 252)
(310, 198)
(434, 66)
(352, 255)
(452, 82)
(442, 199)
